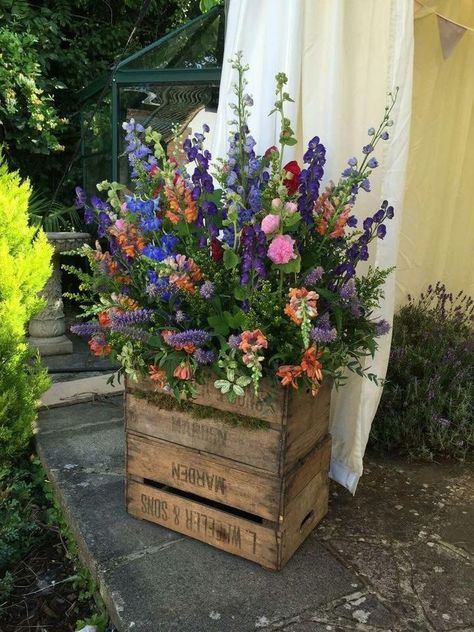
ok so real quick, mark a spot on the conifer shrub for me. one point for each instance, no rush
(25, 257)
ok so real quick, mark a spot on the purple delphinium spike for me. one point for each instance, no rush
(310, 178)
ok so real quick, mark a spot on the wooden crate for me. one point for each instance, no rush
(257, 493)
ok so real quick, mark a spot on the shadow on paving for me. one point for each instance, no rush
(397, 556)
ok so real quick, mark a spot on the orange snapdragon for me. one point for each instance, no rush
(99, 346)
(183, 371)
(127, 237)
(302, 301)
(325, 211)
(309, 366)
(181, 203)
(157, 375)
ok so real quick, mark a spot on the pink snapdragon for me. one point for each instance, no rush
(281, 249)
(270, 223)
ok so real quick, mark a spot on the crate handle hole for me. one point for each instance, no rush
(306, 519)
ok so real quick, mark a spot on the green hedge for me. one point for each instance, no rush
(25, 257)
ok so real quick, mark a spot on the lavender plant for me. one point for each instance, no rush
(427, 407)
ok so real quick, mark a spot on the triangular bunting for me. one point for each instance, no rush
(416, 6)
(449, 35)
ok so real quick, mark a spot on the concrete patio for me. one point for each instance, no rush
(398, 556)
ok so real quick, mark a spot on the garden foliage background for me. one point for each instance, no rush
(50, 49)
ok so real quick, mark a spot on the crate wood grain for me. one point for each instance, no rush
(270, 546)
(222, 480)
(297, 426)
(254, 492)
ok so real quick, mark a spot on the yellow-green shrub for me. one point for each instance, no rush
(25, 257)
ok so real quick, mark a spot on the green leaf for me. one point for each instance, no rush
(218, 324)
(238, 390)
(244, 380)
(291, 220)
(288, 141)
(241, 292)
(292, 266)
(230, 259)
(220, 383)
(155, 341)
(337, 311)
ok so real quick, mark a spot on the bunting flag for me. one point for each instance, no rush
(449, 35)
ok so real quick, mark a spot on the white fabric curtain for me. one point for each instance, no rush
(341, 58)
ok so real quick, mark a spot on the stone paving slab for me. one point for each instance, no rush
(396, 557)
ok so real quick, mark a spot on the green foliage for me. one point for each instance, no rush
(21, 512)
(427, 407)
(29, 514)
(52, 217)
(24, 269)
(50, 49)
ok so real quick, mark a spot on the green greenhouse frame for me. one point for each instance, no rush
(179, 74)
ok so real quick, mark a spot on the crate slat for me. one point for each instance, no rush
(186, 469)
(254, 492)
(258, 447)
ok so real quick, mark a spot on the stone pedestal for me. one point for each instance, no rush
(47, 329)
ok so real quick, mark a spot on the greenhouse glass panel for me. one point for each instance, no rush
(168, 109)
(172, 84)
(96, 143)
(199, 44)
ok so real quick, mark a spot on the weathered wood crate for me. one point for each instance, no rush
(254, 492)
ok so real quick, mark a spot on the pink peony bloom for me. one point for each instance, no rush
(291, 207)
(270, 224)
(281, 249)
(276, 203)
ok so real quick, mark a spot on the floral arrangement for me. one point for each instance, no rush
(248, 272)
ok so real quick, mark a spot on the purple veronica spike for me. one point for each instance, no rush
(321, 335)
(196, 337)
(207, 290)
(348, 290)
(313, 276)
(134, 333)
(132, 318)
(382, 327)
(234, 341)
(204, 357)
(86, 329)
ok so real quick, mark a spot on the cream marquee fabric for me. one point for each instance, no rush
(437, 233)
(341, 58)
